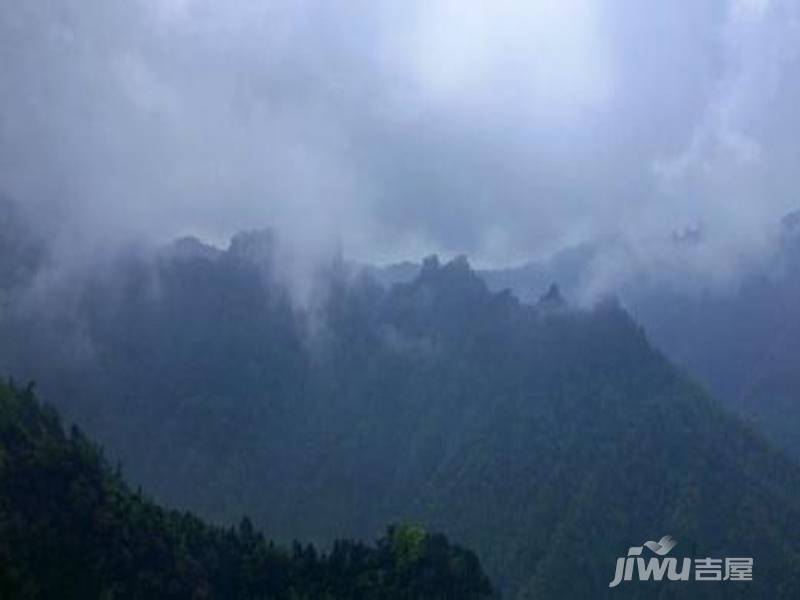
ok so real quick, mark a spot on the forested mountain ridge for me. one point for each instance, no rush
(70, 528)
(548, 439)
(739, 339)
(743, 343)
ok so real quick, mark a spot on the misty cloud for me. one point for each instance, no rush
(503, 130)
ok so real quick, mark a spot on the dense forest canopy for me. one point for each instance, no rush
(214, 218)
(513, 428)
(739, 338)
(71, 528)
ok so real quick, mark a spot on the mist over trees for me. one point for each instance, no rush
(214, 224)
(542, 436)
(737, 336)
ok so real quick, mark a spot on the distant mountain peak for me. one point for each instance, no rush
(460, 262)
(430, 264)
(791, 221)
(188, 247)
(457, 274)
(258, 244)
(552, 299)
(689, 236)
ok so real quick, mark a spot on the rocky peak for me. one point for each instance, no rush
(552, 299)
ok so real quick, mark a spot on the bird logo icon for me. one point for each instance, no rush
(662, 546)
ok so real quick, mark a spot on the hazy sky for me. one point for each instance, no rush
(502, 129)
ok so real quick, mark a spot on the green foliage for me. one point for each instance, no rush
(548, 439)
(408, 544)
(70, 528)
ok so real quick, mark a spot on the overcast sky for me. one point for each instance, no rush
(501, 129)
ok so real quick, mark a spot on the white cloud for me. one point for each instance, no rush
(502, 129)
(545, 58)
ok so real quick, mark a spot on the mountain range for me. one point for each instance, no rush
(546, 437)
